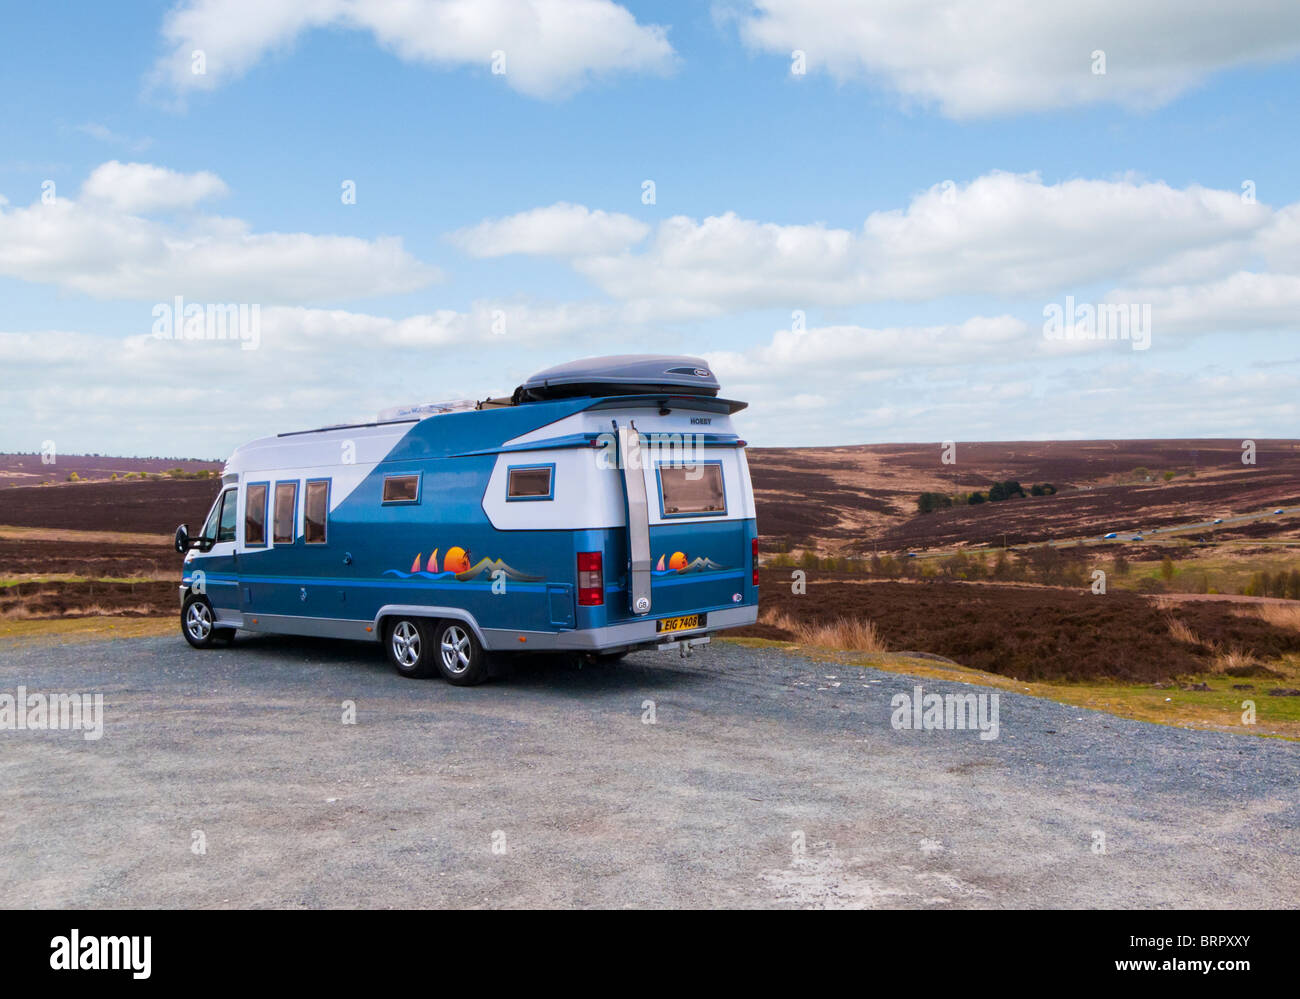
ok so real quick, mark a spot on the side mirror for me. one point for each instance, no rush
(183, 538)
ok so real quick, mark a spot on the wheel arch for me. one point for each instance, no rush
(389, 611)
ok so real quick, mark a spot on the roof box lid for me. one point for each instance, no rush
(623, 374)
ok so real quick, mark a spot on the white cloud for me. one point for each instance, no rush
(856, 354)
(552, 47)
(99, 246)
(144, 188)
(122, 393)
(1002, 234)
(1000, 391)
(976, 57)
(1241, 302)
(561, 229)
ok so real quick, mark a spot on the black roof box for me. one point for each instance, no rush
(622, 374)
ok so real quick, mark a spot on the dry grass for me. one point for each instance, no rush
(1233, 660)
(87, 629)
(18, 612)
(853, 634)
(1180, 632)
(15, 533)
(1279, 615)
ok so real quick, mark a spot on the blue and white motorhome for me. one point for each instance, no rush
(605, 506)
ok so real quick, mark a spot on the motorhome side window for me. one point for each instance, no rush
(315, 511)
(229, 503)
(687, 490)
(530, 482)
(401, 489)
(286, 512)
(255, 515)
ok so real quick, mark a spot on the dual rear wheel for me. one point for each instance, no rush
(419, 647)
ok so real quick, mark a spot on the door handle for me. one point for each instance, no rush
(347, 558)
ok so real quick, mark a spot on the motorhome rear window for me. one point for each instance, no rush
(315, 511)
(286, 512)
(692, 490)
(401, 489)
(255, 515)
(530, 482)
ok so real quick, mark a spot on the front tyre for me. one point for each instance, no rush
(406, 640)
(461, 659)
(198, 623)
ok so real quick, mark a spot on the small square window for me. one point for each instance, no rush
(692, 490)
(530, 482)
(401, 489)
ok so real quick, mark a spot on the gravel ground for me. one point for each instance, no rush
(766, 779)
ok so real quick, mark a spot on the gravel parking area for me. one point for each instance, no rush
(740, 777)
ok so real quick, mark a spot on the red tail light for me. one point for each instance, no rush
(753, 548)
(591, 580)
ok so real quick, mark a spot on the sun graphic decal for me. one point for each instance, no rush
(678, 563)
(457, 565)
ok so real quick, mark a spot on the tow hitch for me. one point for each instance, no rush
(684, 645)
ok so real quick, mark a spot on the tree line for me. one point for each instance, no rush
(929, 502)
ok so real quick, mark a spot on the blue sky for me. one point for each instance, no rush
(920, 195)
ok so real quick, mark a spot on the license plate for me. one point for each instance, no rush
(687, 623)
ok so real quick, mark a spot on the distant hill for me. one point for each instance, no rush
(835, 500)
(29, 469)
(853, 500)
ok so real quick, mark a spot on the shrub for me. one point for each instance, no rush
(929, 502)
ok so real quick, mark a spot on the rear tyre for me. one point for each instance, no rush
(461, 659)
(406, 640)
(198, 622)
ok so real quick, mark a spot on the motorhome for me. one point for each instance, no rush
(605, 506)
